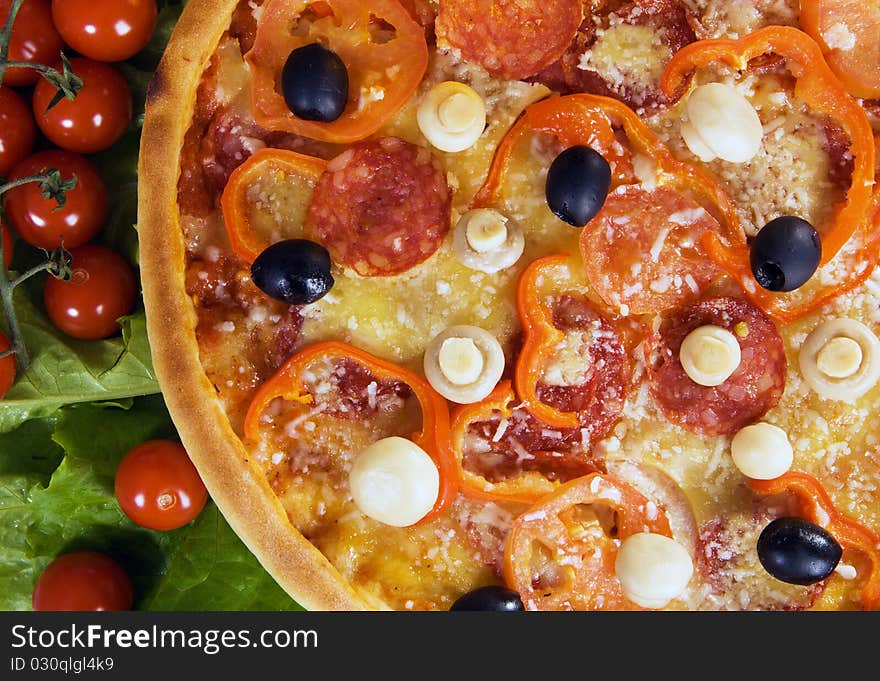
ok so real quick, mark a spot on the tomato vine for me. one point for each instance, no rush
(52, 186)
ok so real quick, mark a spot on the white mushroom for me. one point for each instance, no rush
(487, 241)
(709, 355)
(464, 363)
(395, 482)
(761, 451)
(451, 116)
(652, 569)
(840, 359)
(721, 123)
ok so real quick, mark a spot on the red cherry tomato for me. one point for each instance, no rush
(102, 289)
(83, 581)
(7, 366)
(8, 245)
(105, 30)
(34, 39)
(93, 121)
(17, 130)
(39, 221)
(158, 487)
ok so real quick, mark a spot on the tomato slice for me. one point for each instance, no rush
(560, 553)
(294, 174)
(847, 31)
(381, 45)
(642, 253)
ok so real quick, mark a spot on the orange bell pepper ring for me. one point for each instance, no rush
(847, 31)
(818, 87)
(383, 70)
(529, 483)
(816, 506)
(288, 383)
(541, 337)
(288, 167)
(591, 120)
(560, 558)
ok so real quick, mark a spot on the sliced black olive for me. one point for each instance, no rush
(295, 271)
(785, 254)
(492, 598)
(577, 185)
(797, 551)
(315, 83)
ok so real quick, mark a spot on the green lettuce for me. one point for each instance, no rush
(56, 495)
(76, 411)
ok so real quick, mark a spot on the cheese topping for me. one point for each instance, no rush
(452, 116)
(840, 359)
(395, 482)
(652, 569)
(721, 124)
(762, 451)
(709, 355)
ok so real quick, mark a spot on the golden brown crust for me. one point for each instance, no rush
(239, 489)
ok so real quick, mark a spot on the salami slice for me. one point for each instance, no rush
(511, 39)
(591, 372)
(382, 207)
(648, 32)
(755, 387)
(350, 391)
(642, 252)
(499, 448)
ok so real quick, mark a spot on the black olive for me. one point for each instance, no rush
(785, 253)
(797, 551)
(296, 271)
(315, 83)
(493, 598)
(577, 185)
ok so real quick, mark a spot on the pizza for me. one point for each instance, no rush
(507, 304)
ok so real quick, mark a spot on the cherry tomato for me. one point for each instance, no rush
(83, 581)
(7, 365)
(39, 221)
(34, 39)
(8, 245)
(103, 289)
(158, 487)
(93, 121)
(105, 30)
(17, 130)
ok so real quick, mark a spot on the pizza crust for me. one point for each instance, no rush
(238, 488)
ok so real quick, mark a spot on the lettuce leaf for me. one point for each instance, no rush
(203, 566)
(67, 371)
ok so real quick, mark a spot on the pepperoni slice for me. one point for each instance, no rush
(511, 39)
(755, 387)
(642, 252)
(649, 31)
(382, 207)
